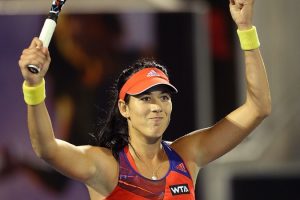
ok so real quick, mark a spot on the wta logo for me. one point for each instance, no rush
(179, 189)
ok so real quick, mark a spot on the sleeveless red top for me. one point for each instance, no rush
(177, 184)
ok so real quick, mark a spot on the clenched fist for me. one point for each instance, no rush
(36, 55)
(242, 13)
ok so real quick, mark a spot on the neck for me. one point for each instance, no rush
(146, 150)
(148, 157)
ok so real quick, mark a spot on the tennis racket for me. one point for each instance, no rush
(48, 28)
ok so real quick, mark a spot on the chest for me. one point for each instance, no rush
(174, 182)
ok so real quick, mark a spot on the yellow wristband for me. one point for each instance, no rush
(249, 39)
(34, 95)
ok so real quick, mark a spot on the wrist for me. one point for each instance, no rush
(32, 84)
(248, 38)
(34, 94)
(244, 27)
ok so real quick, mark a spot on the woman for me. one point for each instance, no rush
(133, 162)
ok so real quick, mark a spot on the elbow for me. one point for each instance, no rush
(45, 153)
(268, 107)
(262, 106)
(38, 151)
(46, 156)
(265, 110)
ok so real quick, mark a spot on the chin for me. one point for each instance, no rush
(157, 132)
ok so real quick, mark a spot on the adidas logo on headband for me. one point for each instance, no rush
(152, 73)
(143, 80)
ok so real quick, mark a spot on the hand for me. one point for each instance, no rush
(36, 55)
(242, 13)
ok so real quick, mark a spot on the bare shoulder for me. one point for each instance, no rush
(104, 160)
(97, 152)
(189, 149)
(102, 156)
(189, 143)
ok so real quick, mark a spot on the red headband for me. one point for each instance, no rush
(144, 80)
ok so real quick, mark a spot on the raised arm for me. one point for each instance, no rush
(78, 162)
(204, 146)
(258, 99)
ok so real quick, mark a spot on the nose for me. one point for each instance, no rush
(156, 107)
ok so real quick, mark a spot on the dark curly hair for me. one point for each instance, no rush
(112, 133)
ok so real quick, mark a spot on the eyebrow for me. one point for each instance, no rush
(147, 92)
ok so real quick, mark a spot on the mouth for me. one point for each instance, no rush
(156, 120)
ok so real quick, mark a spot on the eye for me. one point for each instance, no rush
(165, 97)
(145, 98)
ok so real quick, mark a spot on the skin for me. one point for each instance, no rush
(148, 117)
(197, 148)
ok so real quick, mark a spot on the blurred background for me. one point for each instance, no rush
(196, 40)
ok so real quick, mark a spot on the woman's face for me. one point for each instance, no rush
(149, 113)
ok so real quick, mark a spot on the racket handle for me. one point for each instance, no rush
(45, 36)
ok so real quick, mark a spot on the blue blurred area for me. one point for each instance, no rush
(15, 34)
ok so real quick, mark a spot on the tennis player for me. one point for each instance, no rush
(132, 161)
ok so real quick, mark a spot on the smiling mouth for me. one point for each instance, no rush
(156, 118)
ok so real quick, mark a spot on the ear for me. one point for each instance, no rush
(123, 108)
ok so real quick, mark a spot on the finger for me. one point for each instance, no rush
(36, 43)
(35, 52)
(33, 55)
(33, 60)
(48, 59)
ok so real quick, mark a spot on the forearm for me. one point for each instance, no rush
(258, 100)
(258, 92)
(40, 130)
(238, 124)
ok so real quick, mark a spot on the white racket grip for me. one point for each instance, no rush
(47, 32)
(45, 36)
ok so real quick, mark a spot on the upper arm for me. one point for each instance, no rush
(82, 163)
(203, 146)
